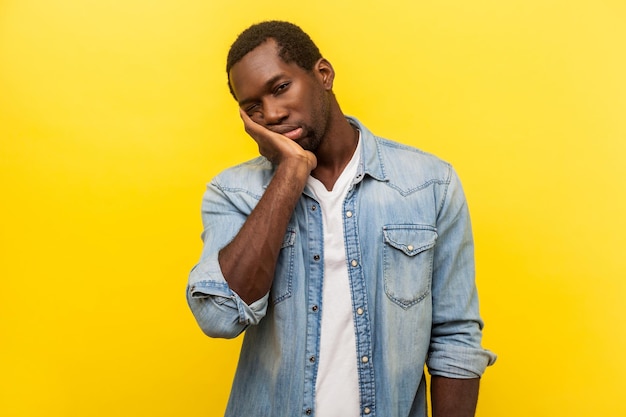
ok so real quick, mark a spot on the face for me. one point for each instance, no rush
(282, 96)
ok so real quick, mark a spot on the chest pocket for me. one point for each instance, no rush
(408, 262)
(283, 276)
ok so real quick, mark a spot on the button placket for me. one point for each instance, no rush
(362, 324)
(313, 299)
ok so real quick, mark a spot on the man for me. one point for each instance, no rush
(346, 258)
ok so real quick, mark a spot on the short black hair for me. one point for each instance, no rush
(294, 45)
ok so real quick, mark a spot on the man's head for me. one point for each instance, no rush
(294, 45)
(286, 89)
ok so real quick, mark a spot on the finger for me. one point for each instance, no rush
(252, 128)
(247, 121)
(244, 116)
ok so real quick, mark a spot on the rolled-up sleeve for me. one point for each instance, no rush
(219, 311)
(455, 349)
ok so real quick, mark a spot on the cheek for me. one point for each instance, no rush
(322, 107)
(257, 118)
(317, 105)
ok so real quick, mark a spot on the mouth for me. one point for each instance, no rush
(292, 132)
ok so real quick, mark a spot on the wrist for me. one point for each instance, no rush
(297, 167)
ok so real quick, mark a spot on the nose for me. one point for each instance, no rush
(274, 113)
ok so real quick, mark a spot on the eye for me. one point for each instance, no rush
(251, 109)
(281, 87)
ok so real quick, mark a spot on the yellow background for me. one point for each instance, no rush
(114, 115)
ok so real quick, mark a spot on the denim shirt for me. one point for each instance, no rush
(409, 248)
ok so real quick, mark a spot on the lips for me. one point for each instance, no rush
(292, 132)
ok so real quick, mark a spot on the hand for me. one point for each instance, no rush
(277, 148)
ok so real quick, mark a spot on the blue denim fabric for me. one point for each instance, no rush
(411, 264)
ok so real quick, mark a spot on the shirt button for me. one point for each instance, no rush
(312, 359)
(313, 207)
(367, 410)
(354, 263)
(365, 359)
(410, 247)
(316, 257)
(359, 311)
(308, 412)
(348, 214)
(314, 308)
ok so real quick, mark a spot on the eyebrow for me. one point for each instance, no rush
(268, 84)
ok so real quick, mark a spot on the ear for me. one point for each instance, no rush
(325, 72)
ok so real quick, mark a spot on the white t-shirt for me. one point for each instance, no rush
(337, 385)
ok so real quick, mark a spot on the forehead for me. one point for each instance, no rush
(257, 68)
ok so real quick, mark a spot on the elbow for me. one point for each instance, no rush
(219, 335)
(215, 319)
(225, 315)
(221, 332)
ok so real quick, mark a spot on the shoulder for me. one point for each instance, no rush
(250, 176)
(409, 168)
(404, 166)
(410, 157)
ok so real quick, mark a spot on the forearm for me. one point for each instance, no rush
(454, 397)
(249, 260)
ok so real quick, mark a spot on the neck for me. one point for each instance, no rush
(336, 150)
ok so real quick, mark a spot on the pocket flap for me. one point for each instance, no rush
(410, 239)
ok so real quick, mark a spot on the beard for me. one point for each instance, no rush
(311, 140)
(316, 130)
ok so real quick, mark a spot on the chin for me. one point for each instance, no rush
(309, 143)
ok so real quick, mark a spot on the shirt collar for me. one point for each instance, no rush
(372, 162)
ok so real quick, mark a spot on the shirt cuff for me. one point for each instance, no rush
(223, 296)
(459, 362)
